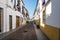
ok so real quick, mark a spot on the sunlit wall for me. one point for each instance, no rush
(53, 13)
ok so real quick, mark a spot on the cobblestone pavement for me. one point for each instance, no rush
(25, 33)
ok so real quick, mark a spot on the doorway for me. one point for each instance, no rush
(1, 12)
(10, 22)
(17, 21)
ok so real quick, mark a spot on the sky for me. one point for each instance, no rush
(30, 5)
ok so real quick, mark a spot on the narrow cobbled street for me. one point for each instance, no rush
(25, 33)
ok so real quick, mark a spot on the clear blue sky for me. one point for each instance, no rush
(30, 6)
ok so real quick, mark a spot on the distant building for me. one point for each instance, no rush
(36, 15)
(25, 14)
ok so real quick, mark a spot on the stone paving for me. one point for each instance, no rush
(40, 34)
(25, 33)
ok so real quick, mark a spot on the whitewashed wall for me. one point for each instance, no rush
(54, 18)
(3, 6)
(9, 3)
(3, 1)
(14, 14)
(8, 11)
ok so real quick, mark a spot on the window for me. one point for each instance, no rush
(18, 5)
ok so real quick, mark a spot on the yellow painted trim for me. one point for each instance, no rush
(52, 32)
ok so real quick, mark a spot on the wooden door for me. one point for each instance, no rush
(17, 21)
(0, 20)
(10, 22)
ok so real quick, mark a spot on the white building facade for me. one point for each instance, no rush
(49, 18)
(10, 14)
